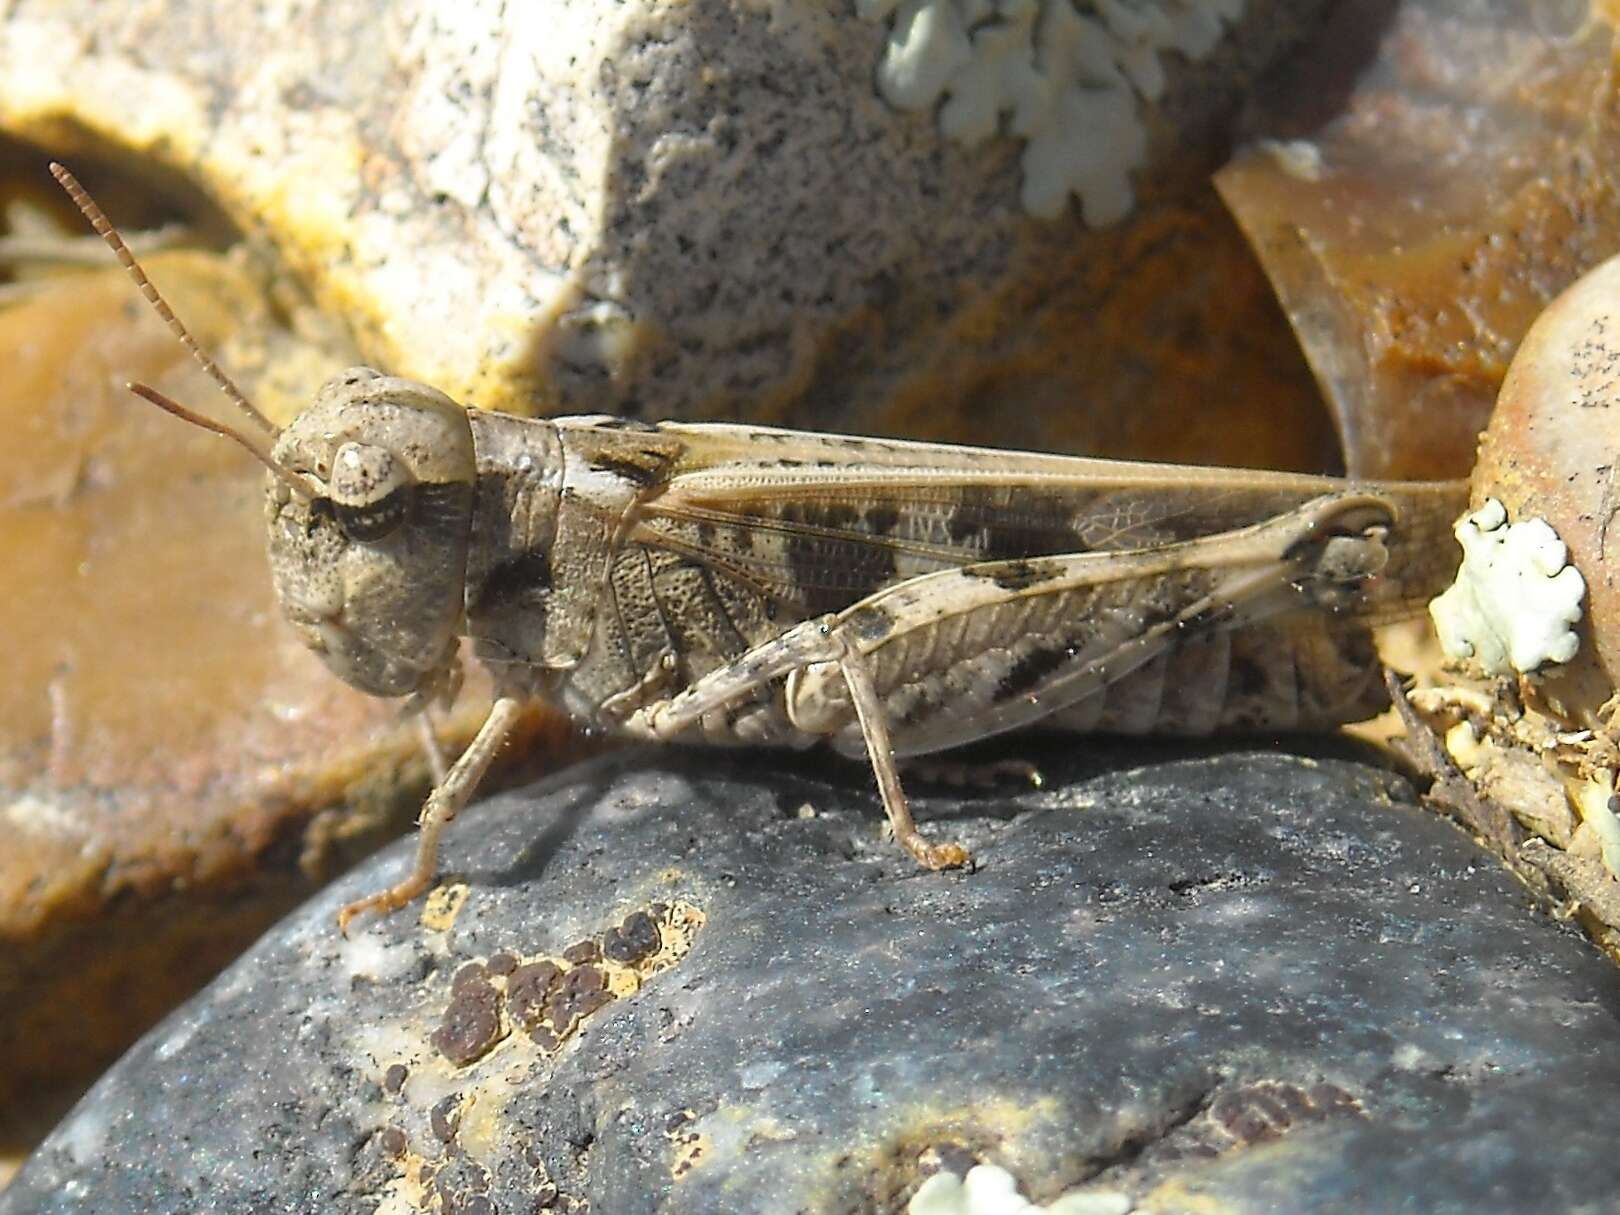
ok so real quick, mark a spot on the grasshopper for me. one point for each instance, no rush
(749, 585)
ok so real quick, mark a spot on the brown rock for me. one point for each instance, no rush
(1553, 452)
(1439, 171)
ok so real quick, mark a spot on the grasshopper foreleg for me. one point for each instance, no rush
(441, 808)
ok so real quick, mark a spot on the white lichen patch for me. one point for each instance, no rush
(1070, 77)
(989, 1190)
(1516, 599)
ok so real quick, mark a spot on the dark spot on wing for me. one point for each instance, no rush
(833, 572)
(1031, 670)
(836, 515)
(881, 520)
(1009, 522)
(966, 521)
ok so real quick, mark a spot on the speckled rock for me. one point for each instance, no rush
(1250, 982)
(609, 206)
(700, 210)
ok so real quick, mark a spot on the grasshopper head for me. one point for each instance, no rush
(370, 564)
(370, 506)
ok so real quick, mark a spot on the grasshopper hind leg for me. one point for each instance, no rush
(823, 641)
(448, 798)
(869, 710)
(970, 652)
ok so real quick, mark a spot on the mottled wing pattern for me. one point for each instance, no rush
(817, 522)
(986, 648)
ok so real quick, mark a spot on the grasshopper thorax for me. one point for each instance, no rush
(369, 566)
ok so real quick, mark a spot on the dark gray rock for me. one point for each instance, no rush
(1248, 982)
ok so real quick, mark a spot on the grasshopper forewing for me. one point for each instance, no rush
(748, 585)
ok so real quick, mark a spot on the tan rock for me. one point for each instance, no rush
(1550, 454)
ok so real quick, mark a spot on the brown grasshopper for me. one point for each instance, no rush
(749, 585)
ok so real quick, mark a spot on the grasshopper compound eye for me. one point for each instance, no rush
(369, 491)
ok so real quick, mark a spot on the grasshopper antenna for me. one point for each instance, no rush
(170, 406)
(105, 230)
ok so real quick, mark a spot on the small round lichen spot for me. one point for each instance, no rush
(394, 1078)
(443, 905)
(472, 1022)
(635, 938)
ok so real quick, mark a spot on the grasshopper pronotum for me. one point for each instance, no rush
(744, 584)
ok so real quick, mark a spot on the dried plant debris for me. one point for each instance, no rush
(1542, 797)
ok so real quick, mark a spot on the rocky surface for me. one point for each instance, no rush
(1249, 982)
(706, 210)
(702, 209)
